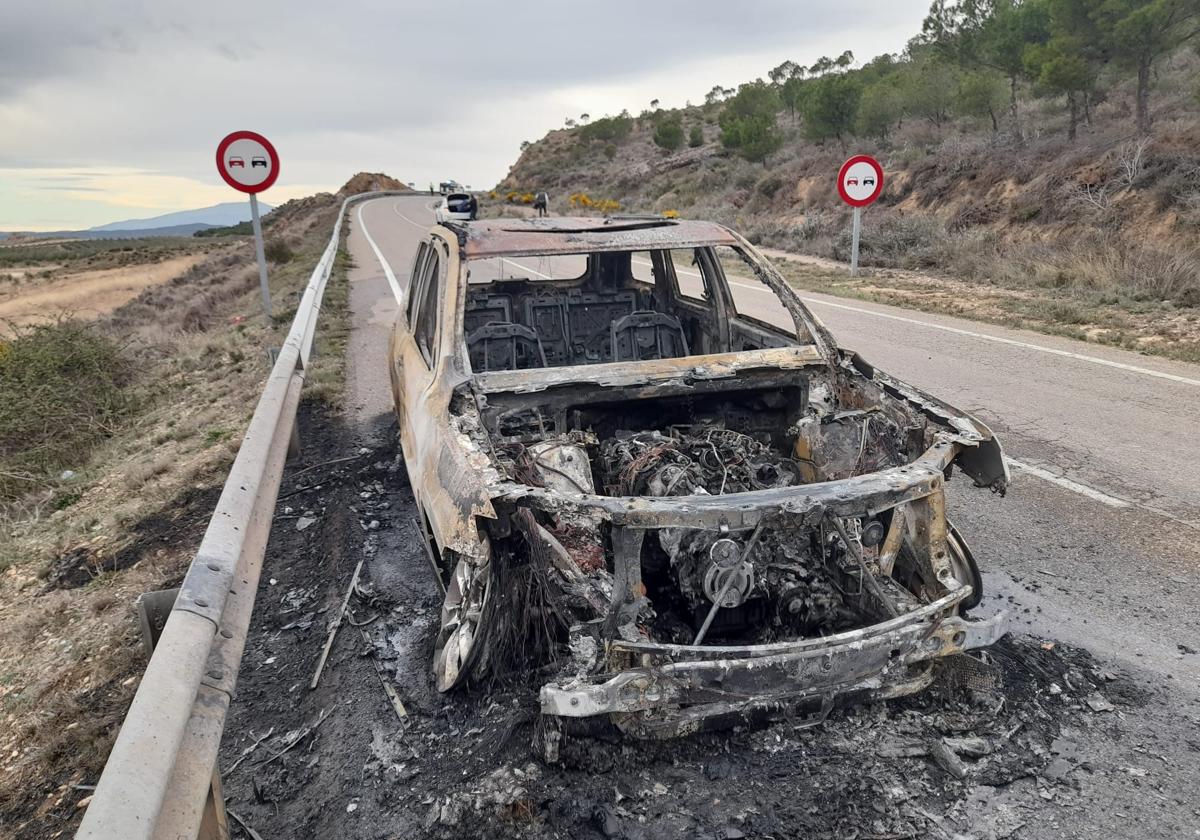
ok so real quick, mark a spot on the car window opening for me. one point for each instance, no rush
(618, 306)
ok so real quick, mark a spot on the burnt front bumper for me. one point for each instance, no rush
(670, 689)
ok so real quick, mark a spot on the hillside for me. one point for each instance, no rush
(1095, 236)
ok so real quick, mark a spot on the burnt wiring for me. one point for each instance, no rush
(693, 459)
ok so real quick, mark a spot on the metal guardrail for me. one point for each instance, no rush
(161, 779)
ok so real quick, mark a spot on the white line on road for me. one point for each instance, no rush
(970, 333)
(1013, 342)
(387, 269)
(504, 260)
(1068, 484)
(396, 210)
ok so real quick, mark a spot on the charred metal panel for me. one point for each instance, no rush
(789, 502)
(575, 235)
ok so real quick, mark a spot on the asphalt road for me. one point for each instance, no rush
(1095, 543)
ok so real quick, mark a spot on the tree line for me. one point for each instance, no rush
(973, 58)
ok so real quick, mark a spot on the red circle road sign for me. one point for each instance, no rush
(860, 180)
(247, 161)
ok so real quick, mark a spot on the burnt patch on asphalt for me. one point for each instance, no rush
(348, 760)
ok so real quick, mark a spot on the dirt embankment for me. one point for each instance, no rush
(88, 294)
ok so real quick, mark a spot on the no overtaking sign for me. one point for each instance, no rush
(859, 183)
(248, 162)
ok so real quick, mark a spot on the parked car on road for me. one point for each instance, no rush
(686, 505)
(454, 207)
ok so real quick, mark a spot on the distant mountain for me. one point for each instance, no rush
(21, 237)
(219, 215)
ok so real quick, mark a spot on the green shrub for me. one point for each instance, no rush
(240, 229)
(64, 387)
(614, 129)
(669, 134)
(696, 136)
(769, 185)
(748, 122)
(896, 241)
(277, 251)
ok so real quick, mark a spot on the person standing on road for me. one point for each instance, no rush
(473, 207)
(431, 188)
(540, 203)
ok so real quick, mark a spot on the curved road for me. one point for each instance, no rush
(1096, 542)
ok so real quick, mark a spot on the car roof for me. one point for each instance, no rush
(585, 234)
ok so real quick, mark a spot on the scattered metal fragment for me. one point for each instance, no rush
(337, 622)
(250, 832)
(301, 735)
(388, 688)
(947, 759)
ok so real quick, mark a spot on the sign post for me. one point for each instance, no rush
(860, 181)
(259, 252)
(248, 162)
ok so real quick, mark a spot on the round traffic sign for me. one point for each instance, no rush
(860, 180)
(247, 161)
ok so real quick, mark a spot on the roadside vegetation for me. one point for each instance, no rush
(1045, 148)
(115, 436)
(64, 388)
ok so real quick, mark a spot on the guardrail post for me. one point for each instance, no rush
(293, 450)
(153, 609)
(214, 824)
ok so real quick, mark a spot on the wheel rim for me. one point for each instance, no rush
(461, 635)
(965, 567)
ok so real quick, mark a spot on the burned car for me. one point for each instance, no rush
(649, 478)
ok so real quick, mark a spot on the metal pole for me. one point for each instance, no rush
(262, 259)
(856, 229)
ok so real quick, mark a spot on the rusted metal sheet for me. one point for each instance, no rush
(619, 374)
(575, 235)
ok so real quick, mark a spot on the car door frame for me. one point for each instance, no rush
(446, 482)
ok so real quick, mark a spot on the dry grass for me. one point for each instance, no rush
(87, 294)
(70, 657)
(64, 387)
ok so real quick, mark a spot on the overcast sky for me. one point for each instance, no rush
(112, 109)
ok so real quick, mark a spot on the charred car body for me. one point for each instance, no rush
(641, 485)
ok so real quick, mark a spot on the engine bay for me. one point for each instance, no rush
(762, 430)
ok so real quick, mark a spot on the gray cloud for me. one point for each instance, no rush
(418, 88)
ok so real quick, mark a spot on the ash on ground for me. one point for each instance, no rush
(995, 742)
